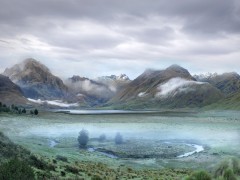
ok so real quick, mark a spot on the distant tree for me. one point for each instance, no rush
(0, 104)
(83, 138)
(6, 109)
(31, 112)
(102, 137)
(24, 111)
(36, 112)
(19, 111)
(16, 108)
(118, 138)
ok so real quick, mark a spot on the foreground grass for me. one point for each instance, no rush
(59, 167)
(31, 166)
(67, 161)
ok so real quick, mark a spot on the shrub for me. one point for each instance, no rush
(236, 166)
(31, 112)
(228, 169)
(118, 139)
(96, 177)
(63, 173)
(61, 158)
(35, 111)
(24, 111)
(102, 137)
(83, 138)
(199, 175)
(34, 161)
(229, 175)
(15, 169)
(71, 169)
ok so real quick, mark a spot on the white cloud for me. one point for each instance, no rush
(58, 103)
(121, 36)
(175, 86)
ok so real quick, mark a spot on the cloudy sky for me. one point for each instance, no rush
(102, 37)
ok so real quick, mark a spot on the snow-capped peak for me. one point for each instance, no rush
(205, 76)
(121, 77)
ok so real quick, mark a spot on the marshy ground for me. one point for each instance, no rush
(151, 141)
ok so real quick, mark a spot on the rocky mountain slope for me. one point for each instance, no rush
(10, 93)
(92, 91)
(227, 83)
(36, 80)
(173, 87)
(96, 91)
(115, 83)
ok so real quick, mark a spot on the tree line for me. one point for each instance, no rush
(83, 138)
(17, 110)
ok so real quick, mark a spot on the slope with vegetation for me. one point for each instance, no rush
(10, 92)
(173, 87)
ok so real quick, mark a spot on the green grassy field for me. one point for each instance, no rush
(144, 153)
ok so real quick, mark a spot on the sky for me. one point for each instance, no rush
(102, 37)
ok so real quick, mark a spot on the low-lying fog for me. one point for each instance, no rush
(215, 129)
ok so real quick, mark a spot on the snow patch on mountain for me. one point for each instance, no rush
(202, 77)
(121, 77)
(142, 94)
(53, 103)
(174, 86)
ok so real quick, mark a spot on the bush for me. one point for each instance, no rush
(61, 158)
(102, 137)
(71, 169)
(199, 175)
(83, 138)
(229, 175)
(228, 169)
(34, 161)
(96, 177)
(118, 139)
(35, 111)
(63, 173)
(24, 111)
(15, 169)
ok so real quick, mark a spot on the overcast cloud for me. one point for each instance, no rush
(102, 37)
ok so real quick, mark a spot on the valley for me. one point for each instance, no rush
(150, 141)
(170, 123)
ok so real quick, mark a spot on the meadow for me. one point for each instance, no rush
(179, 141)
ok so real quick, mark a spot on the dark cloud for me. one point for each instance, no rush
(206, 16)
(146, 31)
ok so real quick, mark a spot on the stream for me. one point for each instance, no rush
(198, 148)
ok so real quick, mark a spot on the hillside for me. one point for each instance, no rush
(173, 87)
(36, 80)
(91, 91)
(231, 102)
(227, 83)
(10, 93)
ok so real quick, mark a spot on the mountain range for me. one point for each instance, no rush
(174, 87)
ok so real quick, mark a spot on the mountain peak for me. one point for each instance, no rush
(175, 67)
(121, 77)
(25, 67)
(36, 80)
(31, 63)
(76, 78)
